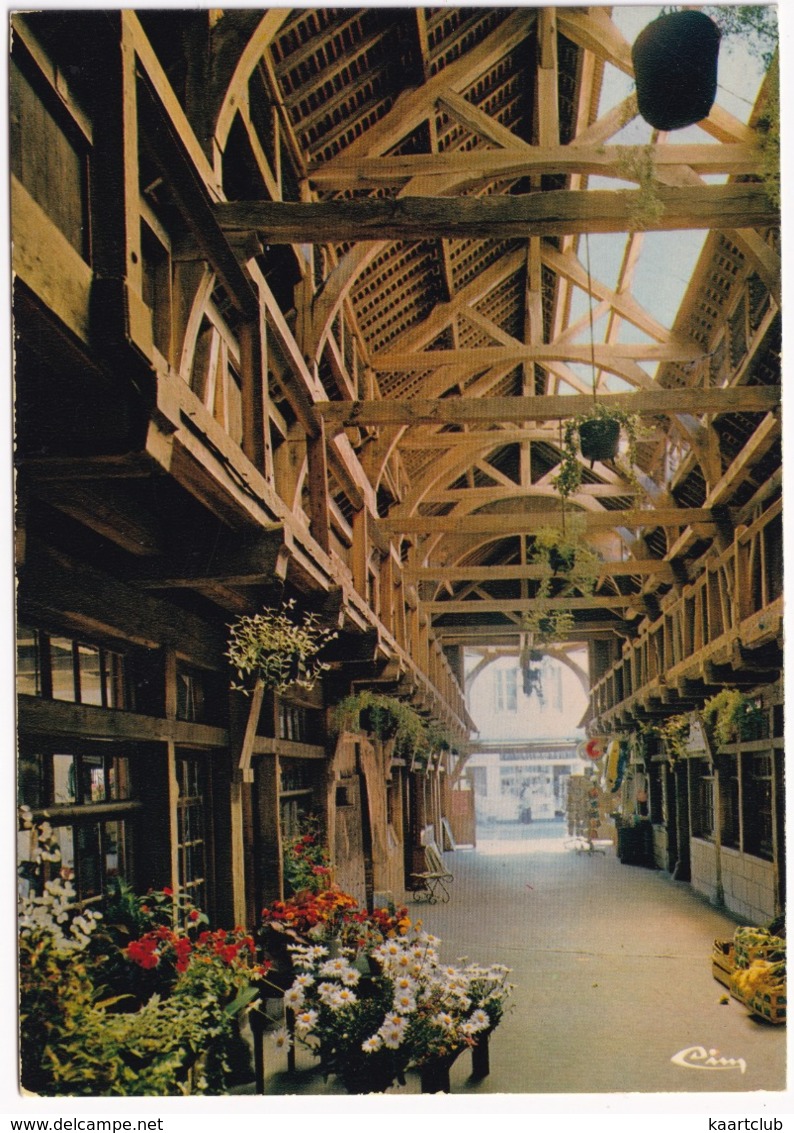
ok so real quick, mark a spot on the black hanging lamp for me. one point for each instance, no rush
(675, 66)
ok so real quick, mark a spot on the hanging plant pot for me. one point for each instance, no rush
(599, 438)
(675, 66)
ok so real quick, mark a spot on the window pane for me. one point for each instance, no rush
(63, 780)
(64, 836)
(115, 850)
(89, 868)
(28, 662)
(119, 777)
(62, 667)
(115, 677)
(90, 675)
(92, 779)
(30, 784)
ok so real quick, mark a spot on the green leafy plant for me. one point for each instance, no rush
(675, 733)
(131, 1004)
(569, 475)
(383, 717)
(277, 650)
(730, 715)
(570, 567)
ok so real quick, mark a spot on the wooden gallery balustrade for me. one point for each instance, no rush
(722, 628)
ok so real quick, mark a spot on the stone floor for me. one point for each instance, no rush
(612, 971)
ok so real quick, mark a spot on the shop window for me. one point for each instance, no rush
(729, 801)
(82, 790)
(192, 812)
(190, 695)
(656, 792)
(757, 805)
(702, 799)
(506, 690)
(60, 668)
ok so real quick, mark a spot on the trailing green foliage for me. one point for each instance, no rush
(384, 718)
(278, 650)
(569, 474)
(570, 567)
(730, 716)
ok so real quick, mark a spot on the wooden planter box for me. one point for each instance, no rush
(722, 962)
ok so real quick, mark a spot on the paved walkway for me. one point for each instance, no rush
(612, 967)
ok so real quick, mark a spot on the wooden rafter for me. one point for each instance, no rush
(485, 410)
(555, 213)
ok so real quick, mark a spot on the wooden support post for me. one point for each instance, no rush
(270, 854)
(320, 521)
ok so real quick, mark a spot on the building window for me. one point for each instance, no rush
(702, 799)
(86, 795)
(757, 805)
(61, 668)
(506, 688)
(729, 801)
(190, 696)
(192, 810)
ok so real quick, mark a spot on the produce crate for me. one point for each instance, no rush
(770, 1005)
(722, 961)
(756, 944)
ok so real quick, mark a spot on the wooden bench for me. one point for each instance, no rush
(434, 878)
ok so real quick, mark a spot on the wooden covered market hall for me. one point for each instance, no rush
(361, 353)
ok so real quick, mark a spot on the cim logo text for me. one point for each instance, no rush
(698, 1058)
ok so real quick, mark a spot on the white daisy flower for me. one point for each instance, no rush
(305, 1022)
(334, 967)
(392, 1036)
(405, 1002)
(345, 997)
(369, 1046)
(282, 1040)
(303, 980)
(293, 997)
(445, 1020)
(479, 1020)
(350, 977)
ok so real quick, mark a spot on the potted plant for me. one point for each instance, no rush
(569, 566)
(595, 435)
(730, 716)
(675, 67)
(675, 733)
(277, 650)
(383, 717)
(413, 1013)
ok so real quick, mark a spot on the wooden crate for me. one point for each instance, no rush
(722, 962)
(770, 1005)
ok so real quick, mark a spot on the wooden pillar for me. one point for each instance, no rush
(269, 849)
(319, 521)
(360, 551)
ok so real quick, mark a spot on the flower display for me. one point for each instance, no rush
(369, 1029)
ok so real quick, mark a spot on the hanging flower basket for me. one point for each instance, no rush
(599, 439)
(675, 66)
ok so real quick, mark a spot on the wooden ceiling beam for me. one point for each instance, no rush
(480, 358)
(528, 605)
(550, 407)
(555, 213)
(470, 168)
(629, 568)
(509, 523)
